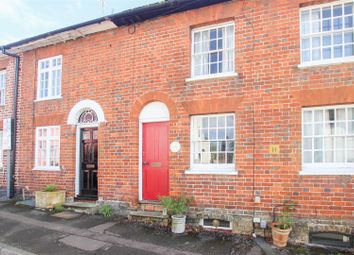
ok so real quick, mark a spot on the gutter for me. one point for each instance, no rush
(11, 166)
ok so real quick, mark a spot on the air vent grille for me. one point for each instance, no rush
(332, 239)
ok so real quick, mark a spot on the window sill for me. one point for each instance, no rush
(43, 168)
(48, 98)
(327, 171)
(213, 172)
(215, 76)
(326, 63)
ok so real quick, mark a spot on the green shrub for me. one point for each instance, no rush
(106, 210)
(177, 205)
(285, 220)
(50, 188)
(58, 208)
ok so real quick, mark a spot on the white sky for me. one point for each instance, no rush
(21, 19)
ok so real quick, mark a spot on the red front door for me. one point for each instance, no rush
(155, 160)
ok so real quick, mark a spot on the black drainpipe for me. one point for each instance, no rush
(11, 169)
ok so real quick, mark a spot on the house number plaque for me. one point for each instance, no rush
(274, 149)
(175, 146)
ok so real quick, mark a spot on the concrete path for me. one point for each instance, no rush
(89, 237)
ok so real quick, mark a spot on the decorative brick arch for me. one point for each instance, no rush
(153, 97)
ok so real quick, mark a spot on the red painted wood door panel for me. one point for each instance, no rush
(155, 160)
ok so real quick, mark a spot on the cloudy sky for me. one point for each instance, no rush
(21, 19)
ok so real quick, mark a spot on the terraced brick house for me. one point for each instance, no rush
(240, 104)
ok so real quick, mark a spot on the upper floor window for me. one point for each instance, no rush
(47, 148)
(213, 50)
(328, 139)
(49, 78)
(2, 87)
(213, 142)
(327, 33)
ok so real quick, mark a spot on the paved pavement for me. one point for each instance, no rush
(38, 232)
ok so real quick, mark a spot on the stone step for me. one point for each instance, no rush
(149, 217)
(82, 207)
(151, 207)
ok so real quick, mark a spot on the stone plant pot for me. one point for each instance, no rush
(280, 236)
(47, 200)
(178, 224)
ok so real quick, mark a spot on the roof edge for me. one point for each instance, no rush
(127, 17)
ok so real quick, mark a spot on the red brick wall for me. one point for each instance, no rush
(123, 72)
(6, 111)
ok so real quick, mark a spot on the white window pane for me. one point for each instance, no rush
(318, 115)
(197, 38)
(348, 22)
(350, 143)
(229, 133)
(329, 129)
(340, 114)
(305, 16)
(327, 53)
(316, 54)
(349, 50)
(340, 156)
(305, 43)
(338, 52)
(307, 117)
(340, 128)
(326, 13)
(316, 26)
(230, 158)
(350, 156)
(326, 25)
(351, 127)
(327, 40)
(348, 8)
(350, 113)
(318, 157)
(319, 129)
(306, 56)
(329, 115)
(329, 156)
(318, 143)
(337, 23)
(316, 14)
(329, 143)
(307, 157)
(307, 129)
(212, 134)
(340, 143)
(337, 10)
(307, 144)
(305, 28)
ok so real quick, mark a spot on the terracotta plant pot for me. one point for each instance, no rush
(46, 200)
(280, 236)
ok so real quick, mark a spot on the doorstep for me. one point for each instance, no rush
(82, 207)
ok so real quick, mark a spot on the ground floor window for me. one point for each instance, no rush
(47, 147)
(328, 137)
(213, 142)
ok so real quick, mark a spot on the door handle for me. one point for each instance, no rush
(145, 163)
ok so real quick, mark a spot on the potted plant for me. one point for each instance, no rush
(282, 227)
(177, 207)
(49, 197)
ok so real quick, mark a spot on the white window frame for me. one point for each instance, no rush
(48, 138)
(324, 168)
(223, 169)
(2, 87)
(216, 75)
(50, 70)
(332, 60)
